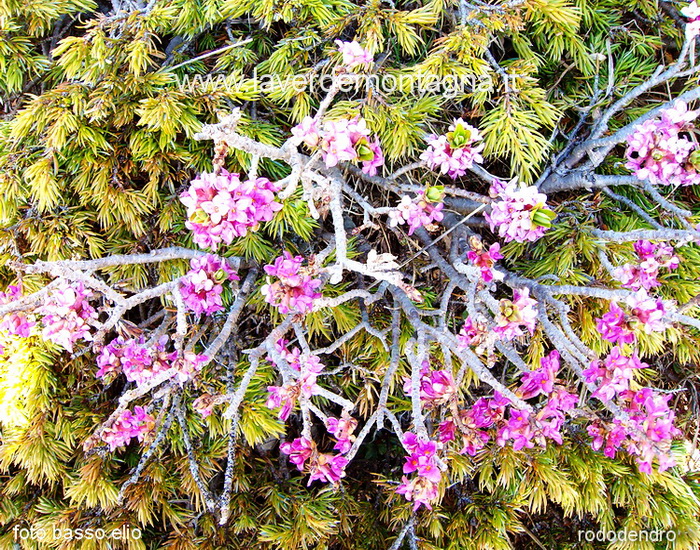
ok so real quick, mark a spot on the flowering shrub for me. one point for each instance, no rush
(481, 339)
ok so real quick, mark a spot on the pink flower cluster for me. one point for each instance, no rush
(525, 429)
(221, 207)
(422, 460)
(658, 150)
(652, 258)
(420, 211)
(484, 413)
(647, 312)
(202, 286)
(613, 375)
(473, 333)
(285, 396)
(485, 260)
(456, 152)
(521, 214)
(322, 466)
(67, 314)
(342, 429)
(353, 54)
(296, 289)
(515, 315)
(140, 361)
(16, 323)
(437, 387)
(692, 12)
(127, 426)
(647, 434)
(341, 140)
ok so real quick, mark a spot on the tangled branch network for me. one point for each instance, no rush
(335, 163)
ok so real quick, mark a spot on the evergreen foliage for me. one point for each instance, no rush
(100, 108)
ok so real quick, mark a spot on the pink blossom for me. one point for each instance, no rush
(614, 326)
(692, 12)
(67, 314)
(306, 132)
(455, 153)
(436, 386)
(472, 333)
(658, 151)
(220, 207)
(652, 257)
(521, 214)
(423, 461)
(127, 426)
(648, 311)
(353, 53)
(516, 315)
(295, 290)
(204, 405)
(485, 260)
(16, 323)
(299, 451)
(348, 140)
(342, 429)
(417, 212)
(614, 375)
(202, 286)
(285, 396)
(326, 467)
(540, 381)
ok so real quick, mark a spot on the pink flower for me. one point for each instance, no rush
(423, 461)
(204, 405)
(692, 12)
(299, 451)
(68, 316)
(16, 323)
(455, 153)
(202, 286)
(652, 257)
(614, 375)
(353, 53)
(485, 260)
(375, 158)
(650, 312)
(516, 315)
(436, 386)
(220, 207)
(657, 151)
(342, 429)
(472, 333)
(614, 326)
(295, 290)
(306, 132)
(127, 426)
(417, 212)
(329, 468)
(540, 381)
(522, 213)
